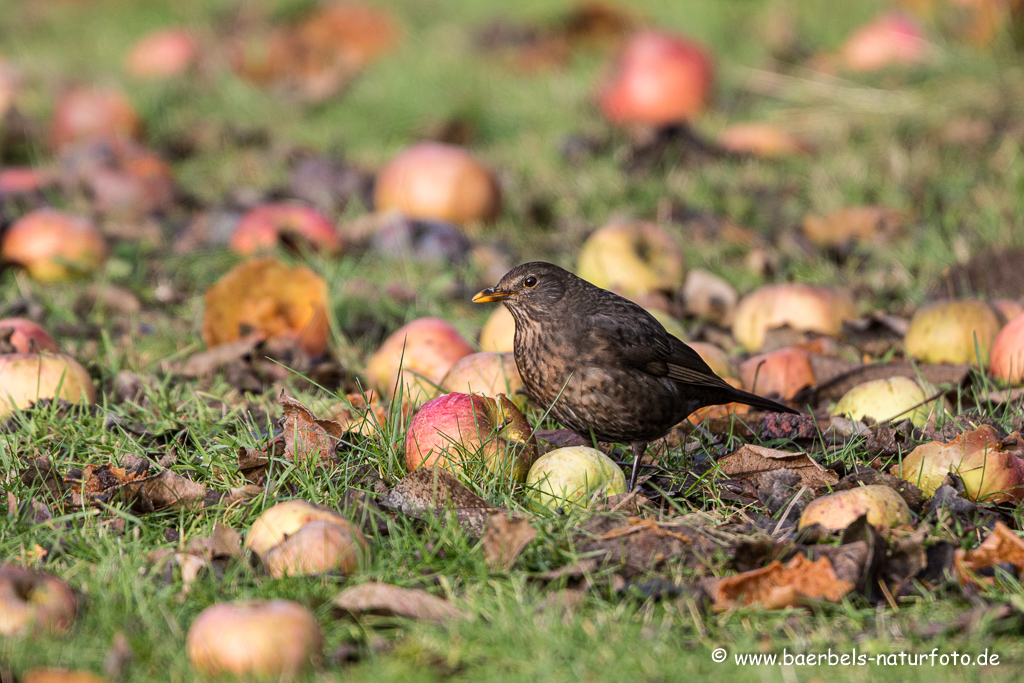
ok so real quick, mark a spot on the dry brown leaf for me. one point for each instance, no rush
(383, 598)
(429, 491)
(207, 363)
(505, 538)
(306, 437)
(777, 586)
(167, 489)
(751, 462)
(1002, 545)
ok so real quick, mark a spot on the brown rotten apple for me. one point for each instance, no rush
(952, 332)
(457, 429)
(28, 377)
(633, 259)
(52, 245)
(416, 357)
(801, 307)
(432, 180)
(272, 638)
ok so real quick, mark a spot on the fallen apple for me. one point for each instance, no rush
(53, 675)
(710, 297)
(52, 245)
(959, 331)
(457, 431)
(284, 519)
(87, 113)
(1006, 361)
(264, 227)
(891, 39)
(488, 373)
(887, 400)
(671, 325)
(25, 336)
(276, 638)
(991, 471)
(317, 547)
(1008, 309)
(779, 373)
(722, 365)
(632, 258)
(851, 224)
(761, 140)
(28, 377)
(432, 180)
(659, 79)
(415, 358)
(499, 332)
(802, 307)
(34, 603)
(573, 476)
(883, 506)
(164, 53)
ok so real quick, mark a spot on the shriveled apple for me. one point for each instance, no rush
(658, 80)
(885, 400)
(267, 298)
(26, 336)
(52, 245)
(836, 511)
(284, 519)
(276, 638)
(438, 181)
(164, 53)
(633, 258)
(317, 547)
(88, 113)
(499, 332)
(891, 39)
(801, 307)
(959, 331)
(1006, 362)
(264, 227)
(779, 373)
(456, 430)
(415, 358)
(573, 476)
(992, 471)
(28, 377)
(34, 603)
(488, 373)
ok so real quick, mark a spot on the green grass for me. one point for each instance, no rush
(879, 139)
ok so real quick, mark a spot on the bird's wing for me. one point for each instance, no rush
(639, 341)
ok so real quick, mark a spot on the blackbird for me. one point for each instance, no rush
(602, 365)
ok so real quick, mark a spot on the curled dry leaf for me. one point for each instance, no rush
(165, 490)
(1001, 546)
(429, 492)
(505, 538)
(383, 598)
(752, 462)
(306, 437)
(777, 586)
(266, 297)
(206, 363)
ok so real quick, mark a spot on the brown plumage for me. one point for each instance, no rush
(601, 364)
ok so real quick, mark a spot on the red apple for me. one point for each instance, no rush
(456, 430)
(779, 373)
(52, 245)
(162, 54)
(891, 39)
(801, 307)
(27, 337)
(431, 180)
(488, 373)
(416, 357)
(87, 113)
(265, 638)
(1006, 362)
(499, 332)
(262, 228)
(28, 377)
(960, 331)
(33, 602)
(22, 180)
(659, 79)
(633, 259)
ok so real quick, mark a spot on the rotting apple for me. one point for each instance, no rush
(659, 79)
(779, 373)
(892, 39)
(26, 336)
(432, 180)
(836, 511)
(264, 227)
(319, 546)
(707, 296)
(457, 431)
(164, 53)
(276, 638)
(415, 358)
(283, 519)
(34, 602)
(958, 331)
(572, 477)
(52, 245)
(28, 377)
(802, 307)
(887, 399)
(632, 258)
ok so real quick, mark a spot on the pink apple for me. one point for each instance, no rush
(89, 113)
(52, 245)
(891, 39)
(1006, 362)
(779, 373)
(263, 227)
(416, 357)
(162, 54)
(27, 336)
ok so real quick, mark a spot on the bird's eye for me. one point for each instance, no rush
(530, 282)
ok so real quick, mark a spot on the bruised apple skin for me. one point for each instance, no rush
(959, 331)
(802, 307)
(633, 259)
(28, 377)
(416, 357)
(571, 477)
(457, 429)
(276, 638)
(836, 511)
(53, 246)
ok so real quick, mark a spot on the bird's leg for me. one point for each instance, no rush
(638, 448)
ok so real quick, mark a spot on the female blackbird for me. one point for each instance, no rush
(601, 364)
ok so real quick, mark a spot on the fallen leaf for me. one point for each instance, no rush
(1001, 546)
(428, 492)
(306, 437)
(207, 363)
(778, 587)
(167, 489)
(361, 414)
(504, 539)
(751, 462)
(637, 545)
(383, 598)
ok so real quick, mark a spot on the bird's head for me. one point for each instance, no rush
(536, 286)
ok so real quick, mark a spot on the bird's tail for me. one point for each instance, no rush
(755, 401)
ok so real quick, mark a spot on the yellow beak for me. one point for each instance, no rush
(491, 294)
